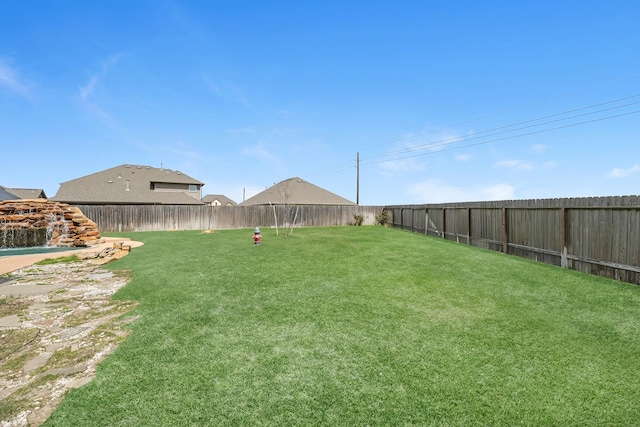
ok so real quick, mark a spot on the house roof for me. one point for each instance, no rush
(27, 193)
(224, 200)
(127, 184)
(6, 195)
(296, 191)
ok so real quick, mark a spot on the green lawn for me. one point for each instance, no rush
(361, 326)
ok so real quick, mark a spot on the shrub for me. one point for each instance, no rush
(383, 218)
(358, 218)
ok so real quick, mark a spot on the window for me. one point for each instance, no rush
(193, 188)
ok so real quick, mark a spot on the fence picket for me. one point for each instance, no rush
(123, 218)
(599, 235)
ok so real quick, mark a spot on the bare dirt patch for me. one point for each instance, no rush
(57, 323)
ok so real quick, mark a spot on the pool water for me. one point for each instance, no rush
(36, 250)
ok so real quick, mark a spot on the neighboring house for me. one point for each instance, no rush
(217, 200)
(131, 184)
(6, 195)
(296, 191)
(27, 193)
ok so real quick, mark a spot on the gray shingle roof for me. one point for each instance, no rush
(5, 195)
(224, 200)
(127, 184)
(27, 193)
(296, 191)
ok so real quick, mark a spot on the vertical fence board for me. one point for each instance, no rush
(592, 235)
(123, 218)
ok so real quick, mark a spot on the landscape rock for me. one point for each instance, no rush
(41, 222)
(57, 324)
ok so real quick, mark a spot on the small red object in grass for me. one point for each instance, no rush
(257, 237)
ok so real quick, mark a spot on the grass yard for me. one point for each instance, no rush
(361, 326)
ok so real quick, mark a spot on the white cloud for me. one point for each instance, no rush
(538, 148)
(226, 90)
(86, 91)
(111, 61)
(549, 165)
(463, 157)
(404, 157)
(209, 84)
(516, 164)
(392, 167)
(258, 151)
(430, 141)
(621, 173)
(434, 191)
(11, 79)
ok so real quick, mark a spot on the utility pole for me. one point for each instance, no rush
(358, 178)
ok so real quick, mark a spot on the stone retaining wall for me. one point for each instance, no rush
(40, 222)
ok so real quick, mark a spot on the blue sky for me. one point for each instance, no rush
(443, 101)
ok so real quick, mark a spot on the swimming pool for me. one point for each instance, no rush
(36, 250)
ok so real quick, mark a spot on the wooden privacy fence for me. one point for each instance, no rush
(117, 218)
(592, 235)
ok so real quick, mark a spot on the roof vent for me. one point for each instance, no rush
(110, 181)
(128, 186)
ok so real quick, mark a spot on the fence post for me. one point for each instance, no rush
(602, 232)
(426, 220)
(468, 226)
(564, 262)
(505, 231)
(444, 223)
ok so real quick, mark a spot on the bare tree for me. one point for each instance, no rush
(289, 209)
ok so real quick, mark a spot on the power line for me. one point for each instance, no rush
(447, 144)
(509, 137)
(508, 110)
(331, 170)
(485, 133)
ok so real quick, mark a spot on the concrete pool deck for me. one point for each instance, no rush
(15, 262)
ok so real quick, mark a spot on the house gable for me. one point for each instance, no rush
(218, 200)
(27, 193)
(296, 191)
